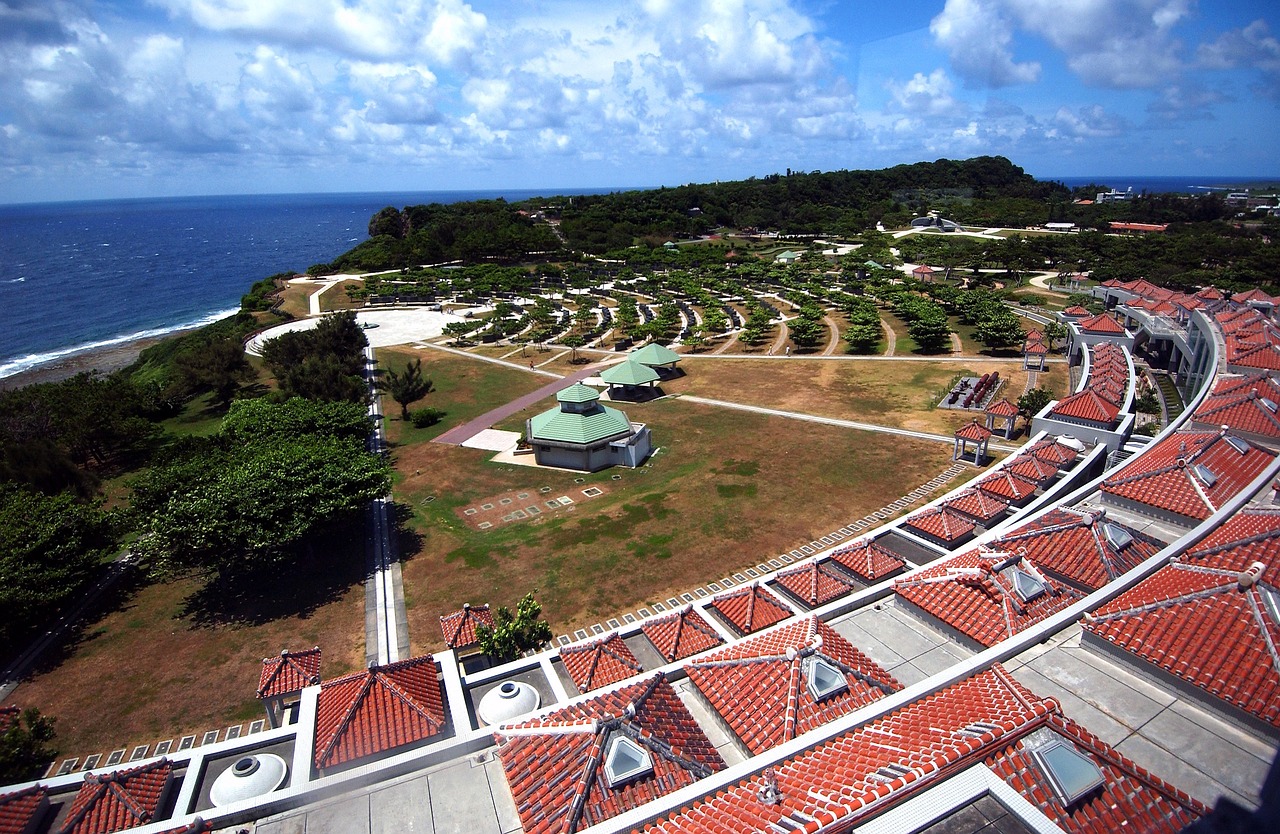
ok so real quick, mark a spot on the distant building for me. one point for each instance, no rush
(1114, 196)
(933, 221)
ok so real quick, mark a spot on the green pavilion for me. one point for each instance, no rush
(582, 434)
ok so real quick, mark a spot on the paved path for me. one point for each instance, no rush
(891, 337)
(957, 346)
(832, 421)
(835, 336)
(386, 623)
(459, 434)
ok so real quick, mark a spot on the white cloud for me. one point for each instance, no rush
(977, 34)
(926, 95)
(395, 93)
(1088, 122)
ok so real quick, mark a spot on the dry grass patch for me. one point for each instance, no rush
(728, 489)
(879, 391)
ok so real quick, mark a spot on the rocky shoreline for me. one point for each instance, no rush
(104, 359)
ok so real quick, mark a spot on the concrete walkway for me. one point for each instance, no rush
(386, 624)
(456, 435)
(832, 421)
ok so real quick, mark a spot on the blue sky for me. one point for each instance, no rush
(163, 97)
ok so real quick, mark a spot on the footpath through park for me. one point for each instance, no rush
(460, 434)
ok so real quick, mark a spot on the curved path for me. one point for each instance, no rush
(459, 434)
(835, 336)
(783, 333)
(891, 338)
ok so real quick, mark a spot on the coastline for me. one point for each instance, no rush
(106, 359)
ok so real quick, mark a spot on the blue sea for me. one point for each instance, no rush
(85, 275)
(1166, 185)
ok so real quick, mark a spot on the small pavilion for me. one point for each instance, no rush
(283, 679)
(653, 355)
(1034, 352)
(630, 376)
(1002, 410)
(974, 433)
(582, 434)
(924, 273)
(459, 628)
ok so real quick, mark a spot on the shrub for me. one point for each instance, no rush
(424, 417)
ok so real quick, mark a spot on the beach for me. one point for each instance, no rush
(104, 359)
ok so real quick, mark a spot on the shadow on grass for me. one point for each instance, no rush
(117, 596)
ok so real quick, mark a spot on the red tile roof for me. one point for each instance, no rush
(1087, 406)
(1051, 451)
(760, 686)
(1076, 311)
(1197, 621)
(1254, 294)
(751, 608)
(978, 505)
(1246, 404)
(1007, 486)
(941, 523)
(116, 801)
(1035, 347)
(679, 635)
(18, 810)
(1074, 546)
(1210, 294)
(1265, 355)
(289, 673)
(1032, 469)
(1101, 323)
(1003, 408)
(974, 594)
(554, 764)
(600, 662)
(846, 779)
(1171, 474)
(973, 431)
(459, 628)
(815, 583)
(377, 710)
(867, 560)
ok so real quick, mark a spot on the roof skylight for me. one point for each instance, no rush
(1205, 474)
(1071, 773)
(625, 761)
(1027, 586)
(1118, 537)
(1238, 443)
(825, 679)
(1269, 404)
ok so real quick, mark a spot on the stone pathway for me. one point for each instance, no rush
(466, 431)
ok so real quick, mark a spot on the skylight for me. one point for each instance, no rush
(1118, 537)
(1269, 404)
(1237, 443)
(1205, 474)
(825, 680)
(625, 761)
(1027, 586)
(1071, 773)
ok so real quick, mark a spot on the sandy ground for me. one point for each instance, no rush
(393, 327)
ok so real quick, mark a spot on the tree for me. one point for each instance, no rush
(24, 746)
(408, 387)
(218, 365)
(1001, 330)
(459, 329)
(573, 342)
(388, 221)
(1033, 402)
(931, 333)
(805, 332)
(49, 548)
(512, 635)
(1054, 332)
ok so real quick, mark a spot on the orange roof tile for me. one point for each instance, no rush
(940, 523)
(1031, 468)
(555, 764)
(975, 594)
(978, 505)
(1007, 486)
(1253, 294)
(289, 673)
(867, 560)
(973, 431)
(761, 686)
(1075, 546)
(1051, 451)
(459, 628)
(1190, 474)
(1252, 411)
(815, 583)
(120, 800)
(1197, 621)
(839, 782)
(1087, 406)
(600, 662)
(679, 635)
(1102, 323)
(1076, 311)
(750, 609)
(1003, 408)
(378, 710)
(19, 809)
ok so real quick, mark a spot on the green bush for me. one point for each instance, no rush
(424, 417)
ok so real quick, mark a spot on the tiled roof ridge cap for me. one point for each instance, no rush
(103, 782)
(286, 658)
(340, 728)
(1232, 545)
(1167, 601)
(583, 785)
(1265, 624)
(409, 700)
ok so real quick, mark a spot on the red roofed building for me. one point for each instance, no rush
(1246, 404)
(985, 595)
(1187, 476)
(379, 710)
(868, 561)
(989, 717)
(770, 688)
(1076, 312)
(974, 433)
(283, 679)
(1052, 452)
(1208, 618)
(680, 635)
(459, 628)
(590, 761)
(1083, 549)
(814, 583)
(940, 525)
(1008, 487)
(750, 609)
(1002, 410)
(22, 812)
(600, 662)
(121, 800)
(1034, 352)
(1119, 226)
(1087, 408)
(1102, 324)
(980, 506)
(1031, 468)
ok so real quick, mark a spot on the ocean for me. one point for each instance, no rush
(84, 275)
(1165, 185)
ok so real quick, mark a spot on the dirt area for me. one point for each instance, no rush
(884, 392)
(725, 490)
(518, 505)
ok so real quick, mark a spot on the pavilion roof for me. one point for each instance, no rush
(289, 673)
(654, 354)
(459, 628)
(598, 663)
(629, 372)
